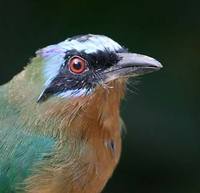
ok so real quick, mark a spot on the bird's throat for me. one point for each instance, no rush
(89, 143)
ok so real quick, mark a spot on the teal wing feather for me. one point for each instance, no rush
(19, 151)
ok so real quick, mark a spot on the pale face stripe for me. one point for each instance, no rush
(54, 56)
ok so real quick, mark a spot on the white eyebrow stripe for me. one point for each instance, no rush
(54, 55)
(91, 45)
(75, 93)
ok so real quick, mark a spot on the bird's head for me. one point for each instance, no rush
(79, 65)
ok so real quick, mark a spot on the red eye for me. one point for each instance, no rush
(77, 65)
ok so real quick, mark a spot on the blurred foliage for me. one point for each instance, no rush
(161, 152)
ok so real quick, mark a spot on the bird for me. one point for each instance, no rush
(60, 124)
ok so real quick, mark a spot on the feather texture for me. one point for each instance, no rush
(19, 149)
(62, 145)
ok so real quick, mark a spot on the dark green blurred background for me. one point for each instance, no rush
(161, 152)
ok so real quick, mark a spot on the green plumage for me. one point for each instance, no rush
(20, 149)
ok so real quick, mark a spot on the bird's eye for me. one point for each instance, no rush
(77, 65)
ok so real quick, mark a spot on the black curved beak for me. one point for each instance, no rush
(131, 65)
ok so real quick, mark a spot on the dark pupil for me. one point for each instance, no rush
(77, 65)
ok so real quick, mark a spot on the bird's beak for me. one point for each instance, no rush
(130, 65)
